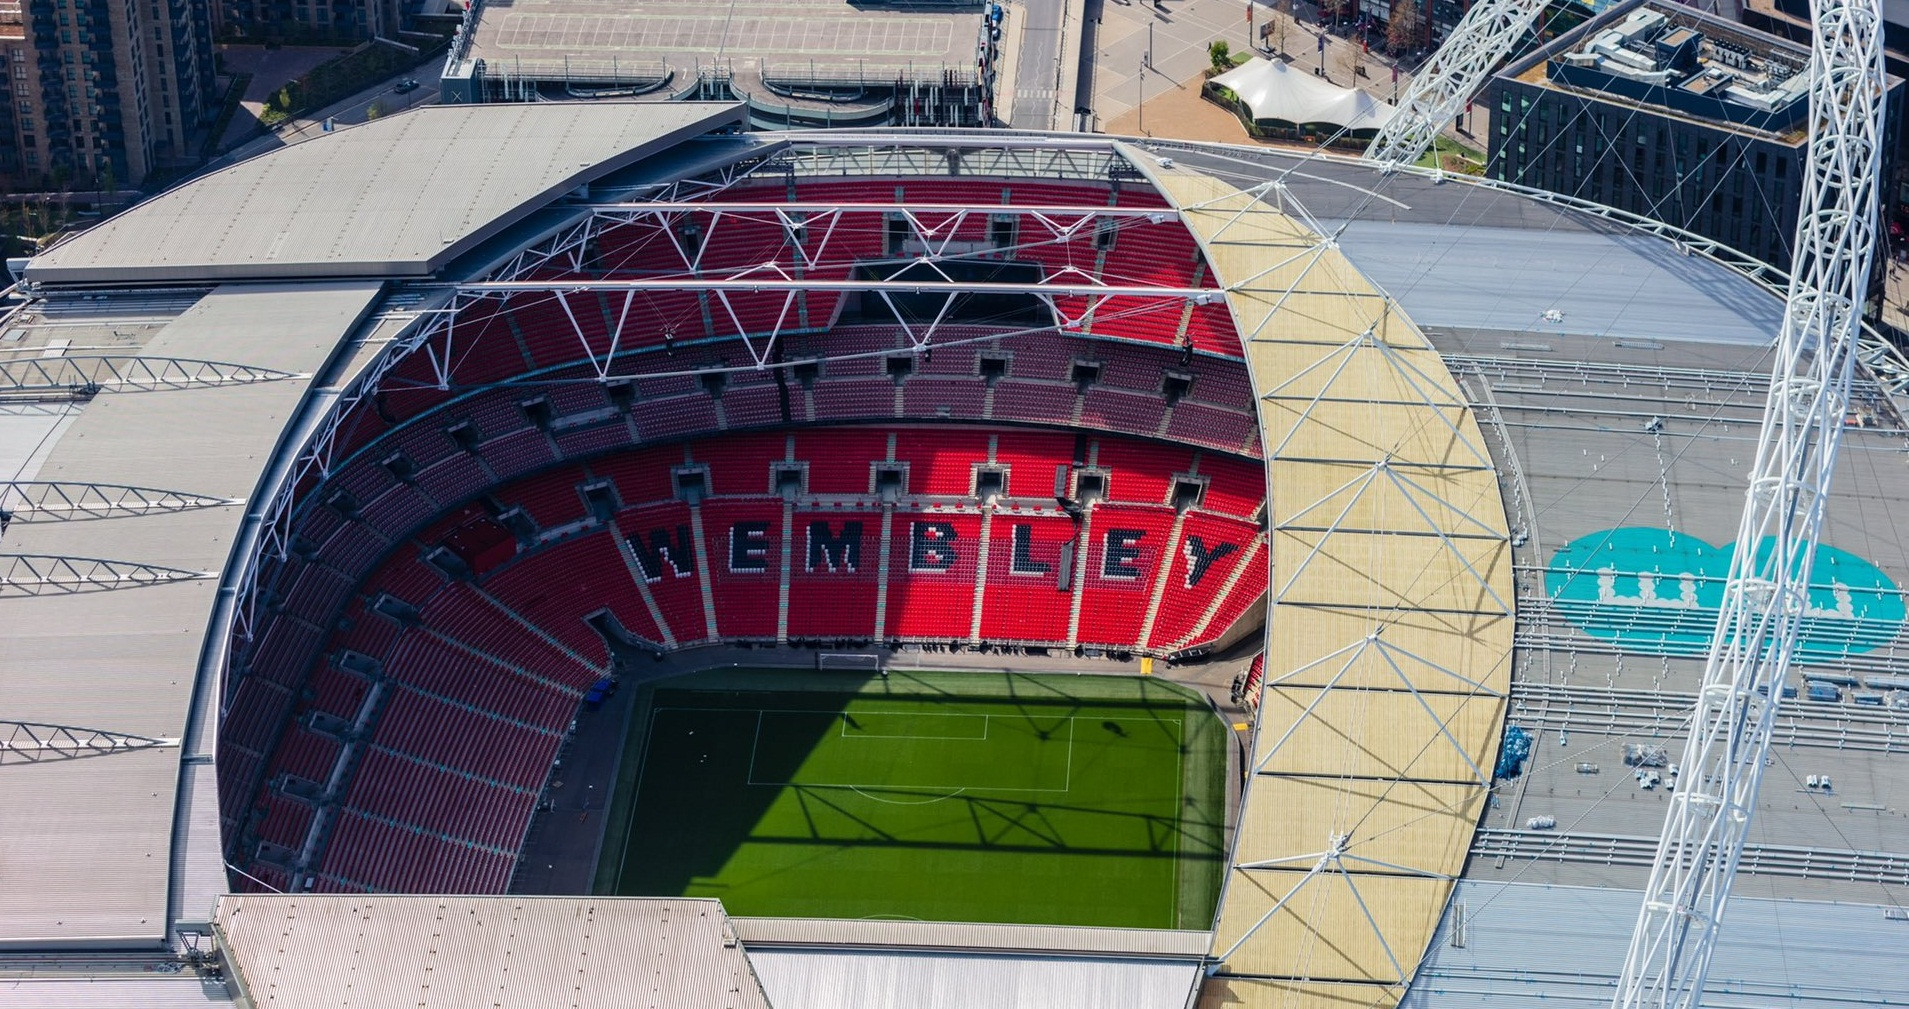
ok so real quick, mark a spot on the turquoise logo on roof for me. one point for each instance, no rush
(1656, 591)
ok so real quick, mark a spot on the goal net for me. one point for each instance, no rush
(848, 661)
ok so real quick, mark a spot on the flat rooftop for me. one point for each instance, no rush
(833, 38)
(1678, 62)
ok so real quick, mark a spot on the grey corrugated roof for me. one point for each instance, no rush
(1544, 946)
(405, 952)
(1604, 284)
(865, 979)
(85, 843)
(395, 197)
(949, 935)
(159, 991)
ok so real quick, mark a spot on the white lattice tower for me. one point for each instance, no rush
(1451, 77)
(1768, 588)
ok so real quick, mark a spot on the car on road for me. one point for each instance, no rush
(406, 85)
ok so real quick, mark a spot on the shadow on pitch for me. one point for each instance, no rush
(999, 825)
(690, 817)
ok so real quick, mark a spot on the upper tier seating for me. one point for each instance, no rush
(420, 653)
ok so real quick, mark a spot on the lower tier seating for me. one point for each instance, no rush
(414, 755)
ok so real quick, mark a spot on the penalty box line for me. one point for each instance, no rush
(755, 742)
(986, 725)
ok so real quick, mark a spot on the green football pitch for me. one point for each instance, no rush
(1053, 799)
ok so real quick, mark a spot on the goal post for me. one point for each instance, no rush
(848, 661)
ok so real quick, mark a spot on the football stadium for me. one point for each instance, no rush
(588, 553)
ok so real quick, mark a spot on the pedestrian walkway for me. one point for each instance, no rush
(1143, 53)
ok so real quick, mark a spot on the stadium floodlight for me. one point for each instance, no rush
(1769, 583)
(1447, 81)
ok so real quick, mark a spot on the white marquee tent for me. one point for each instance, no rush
(1273, 90)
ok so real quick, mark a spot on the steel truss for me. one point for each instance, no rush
(1768, 591)
(904, 152)
(1883, 360)
(437, 337)
(82, 377)
(818, 237)
(63, 501)
(1447, 81)
(1394, 482)
(51, 575)
(35, 743)
(1332, 862)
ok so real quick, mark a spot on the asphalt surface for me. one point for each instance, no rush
(1037, 66)
(352, 111)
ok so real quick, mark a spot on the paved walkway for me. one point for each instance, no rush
(1177, 111)
(1144, 52)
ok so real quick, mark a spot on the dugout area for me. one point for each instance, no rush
(942, 796)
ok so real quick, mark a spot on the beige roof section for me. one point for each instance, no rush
(1389, 626)
(399, 196)
(1306, 936)
(1340, 651)
(1231, 992)
(1393, 733)
(423, 952)
(1421, 824)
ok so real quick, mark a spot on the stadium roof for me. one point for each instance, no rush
(395, 197)
(1525, 946)
(120, 647)
(406, 952)
(1631, 408)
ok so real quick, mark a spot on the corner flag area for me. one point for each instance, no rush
(986, 797)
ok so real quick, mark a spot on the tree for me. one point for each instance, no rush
(1221, 56)
(1405, 28)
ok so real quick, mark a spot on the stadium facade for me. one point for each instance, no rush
(341, 477)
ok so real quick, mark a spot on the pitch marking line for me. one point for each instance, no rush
(986, 722)
(756, 741)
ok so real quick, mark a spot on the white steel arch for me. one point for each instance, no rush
(1451, 77)
(1768, 588)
